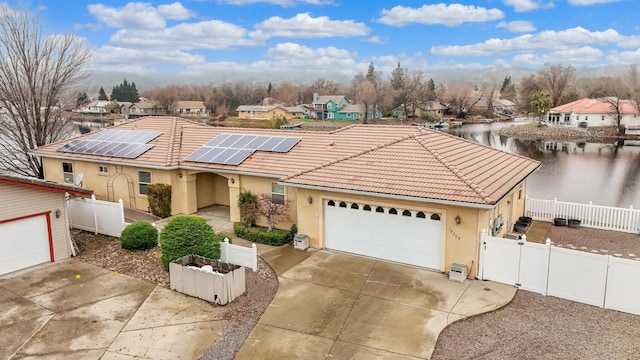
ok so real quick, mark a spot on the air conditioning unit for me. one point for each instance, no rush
(458, 272)
(301, 242)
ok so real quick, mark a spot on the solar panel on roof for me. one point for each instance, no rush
(117, 143)
(286, 145)
(270, 143)
(240, 156)
(233, 149)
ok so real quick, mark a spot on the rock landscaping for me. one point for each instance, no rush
(561, 133)
(242, 314)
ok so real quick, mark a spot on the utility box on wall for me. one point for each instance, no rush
(458, 272)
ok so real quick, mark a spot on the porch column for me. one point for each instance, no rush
(184, 198)
(234, 192)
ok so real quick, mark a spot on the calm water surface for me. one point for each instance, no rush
(576, 171)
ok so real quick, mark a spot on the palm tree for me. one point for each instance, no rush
(541, 103)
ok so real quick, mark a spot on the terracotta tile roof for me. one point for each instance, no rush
(406, 161)
(593, 106)
(189, 105)
(430, 165)
(42, 184)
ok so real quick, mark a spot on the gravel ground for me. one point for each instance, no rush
(242, 314)
(533, 326)
(527, 132)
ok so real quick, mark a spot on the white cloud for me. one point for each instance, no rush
(438, 14)
(305, 26)
(585, 54)
(517, 26)
(590, 2)
(133, 16)
(212, 34)
(528, 5)
(377, 39)
(277, 2)
(175, 11)
(543, 41)
(117, 56)
(625, 57)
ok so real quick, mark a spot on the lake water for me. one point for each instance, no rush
(604, 173)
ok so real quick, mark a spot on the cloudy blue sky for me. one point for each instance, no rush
(223, 39)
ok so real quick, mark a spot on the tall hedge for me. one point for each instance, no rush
(159, 196)
(188, 234)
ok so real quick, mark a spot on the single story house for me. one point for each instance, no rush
(267, 112)
(94, 107)
(589, 112)
(400, 193)
(34, 228)
(189, 108)
(504, 105)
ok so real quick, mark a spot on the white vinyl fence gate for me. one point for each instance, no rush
(600, 280)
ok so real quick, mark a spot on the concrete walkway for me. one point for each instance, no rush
(73, 310)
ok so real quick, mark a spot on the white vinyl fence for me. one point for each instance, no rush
(98, 216)
(600, 280)
(239, 255)
(593, 216)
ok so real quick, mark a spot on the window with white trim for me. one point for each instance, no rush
(277, 193)
(67, 172)
(330, 115)
(144, 179)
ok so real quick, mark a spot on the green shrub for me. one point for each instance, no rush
(188, 234)
(139, 235)
(274, 237)
(159, 196)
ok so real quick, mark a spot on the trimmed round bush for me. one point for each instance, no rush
(139, 235)
(185, 235)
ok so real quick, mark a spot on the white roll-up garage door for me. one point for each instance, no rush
(25, 243)
(396, 234)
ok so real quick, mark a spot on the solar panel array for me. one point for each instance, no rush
(233, 149)
(127, 144)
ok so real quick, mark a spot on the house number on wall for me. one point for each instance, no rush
(454, 234)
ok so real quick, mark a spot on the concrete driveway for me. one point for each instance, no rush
(73, 310)
(334, 305)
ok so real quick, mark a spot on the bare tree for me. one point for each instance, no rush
(555, 79)
(616, 108)
(460, 98)
(489, 92)
(634, 85)
(527, 88)
(287, 93)
(166, 97)
(272, 212)
(38, 79)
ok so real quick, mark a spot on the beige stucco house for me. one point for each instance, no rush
(401, 193)
(33, 222)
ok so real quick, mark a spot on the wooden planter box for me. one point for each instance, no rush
(222, 285)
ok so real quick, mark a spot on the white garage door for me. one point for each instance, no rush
(406, 236)
(25, 243)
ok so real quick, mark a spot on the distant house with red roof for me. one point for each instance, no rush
(401, 193)
(602, 112)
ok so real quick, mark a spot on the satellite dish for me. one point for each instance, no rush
(79, 179)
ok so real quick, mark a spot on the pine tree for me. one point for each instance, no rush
(103, 95)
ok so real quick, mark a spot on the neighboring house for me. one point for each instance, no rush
(267, 112)
(94, 107)
(140, 109)
(594, 113)
(401, 193)
(33, 222)
(504, 106)
(419, 109)
(338, 107)
(189, 108)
